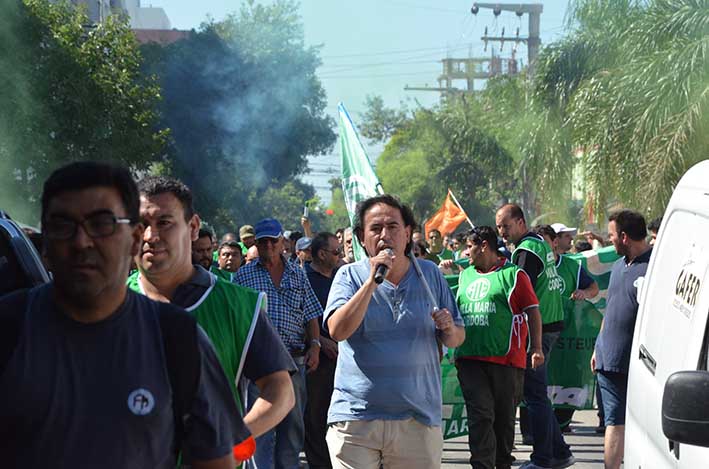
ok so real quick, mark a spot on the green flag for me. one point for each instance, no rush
(359, 181)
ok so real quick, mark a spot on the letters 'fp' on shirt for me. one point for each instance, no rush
(97, 395)
(290, 305)
(389, 368)
(492, 305)
(547, 283)
(234, 318)
(616, 338)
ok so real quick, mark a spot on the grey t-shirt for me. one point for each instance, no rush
(616, 339)
(75, 395)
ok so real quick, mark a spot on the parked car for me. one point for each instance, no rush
(20, 264)
(667, 419)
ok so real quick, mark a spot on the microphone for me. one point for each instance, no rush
(382, 269)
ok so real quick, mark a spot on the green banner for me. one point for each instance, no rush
(571, 382)
(359, 181)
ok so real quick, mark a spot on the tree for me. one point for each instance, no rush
(378, 122)
(447, 148)
(246, 109)
(68, 92)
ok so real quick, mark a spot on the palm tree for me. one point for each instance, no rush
(642, 116)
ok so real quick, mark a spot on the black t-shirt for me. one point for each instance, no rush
(266, 353)
(76, 395)
(321, 287)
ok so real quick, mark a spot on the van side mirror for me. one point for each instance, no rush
(685, 408)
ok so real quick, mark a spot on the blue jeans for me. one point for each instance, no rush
(614, 389)
(280, 448)
(548, 442)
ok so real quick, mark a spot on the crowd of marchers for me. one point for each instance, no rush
(160, 344)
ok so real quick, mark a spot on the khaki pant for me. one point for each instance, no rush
(393, 444)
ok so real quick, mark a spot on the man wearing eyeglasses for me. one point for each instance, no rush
(233, 317)
(326, 251)
(295, 313)
(85, 377)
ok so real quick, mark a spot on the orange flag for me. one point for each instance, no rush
(447, 218)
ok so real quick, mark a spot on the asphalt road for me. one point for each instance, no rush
(586, 445)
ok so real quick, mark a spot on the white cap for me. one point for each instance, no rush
(561, 228)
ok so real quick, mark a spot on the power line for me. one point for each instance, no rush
(424, 58)
(382, 64)
(426, 7)
(432, 72)
(393, 52)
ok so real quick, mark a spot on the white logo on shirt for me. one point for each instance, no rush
(478, 289)
(141, 401)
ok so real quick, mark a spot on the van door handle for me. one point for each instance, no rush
(647, 359)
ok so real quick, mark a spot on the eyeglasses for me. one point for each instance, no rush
(97, 225)
(335, 252)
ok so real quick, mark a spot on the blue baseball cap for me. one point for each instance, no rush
(303, 243)
(268, 228)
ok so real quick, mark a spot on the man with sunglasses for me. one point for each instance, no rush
(86, 378)
(326, 251)
(233, 317)
(295, 312)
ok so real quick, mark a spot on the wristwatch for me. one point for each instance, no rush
(316, 342)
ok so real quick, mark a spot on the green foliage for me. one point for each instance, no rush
(643, 117)
(378, 122)
(68, 92)
(340, 217)
(246, 109)
(447, 148)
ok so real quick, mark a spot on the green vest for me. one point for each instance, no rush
(570, 271)
(228, 313)
(483, 300)
(548, 284)
(223, 274)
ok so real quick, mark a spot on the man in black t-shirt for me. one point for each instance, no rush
(326, 251)
(85, 375)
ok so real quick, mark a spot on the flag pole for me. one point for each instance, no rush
(426, 287)
(461, 208)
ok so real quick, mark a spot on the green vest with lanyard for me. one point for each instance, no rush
(570, 272)
(223, 274)
(548, 283)
(228, 313)
(483, 300)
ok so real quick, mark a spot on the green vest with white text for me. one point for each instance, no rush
(548, 284)
(483, 301)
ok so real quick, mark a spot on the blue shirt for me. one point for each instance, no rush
(290, 305)
(97, 394)
(389, 368)
(616, 337)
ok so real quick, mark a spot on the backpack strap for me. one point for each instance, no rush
(12, 313)
(179, 334)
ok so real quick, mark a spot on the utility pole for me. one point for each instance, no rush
(468, 69)
(533, 40)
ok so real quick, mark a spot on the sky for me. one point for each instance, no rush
(377, 47)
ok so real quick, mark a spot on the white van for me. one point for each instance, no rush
(667, 419)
